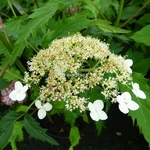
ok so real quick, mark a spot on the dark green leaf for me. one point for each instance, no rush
(129, 11)
(33, 128)
(116, 47)
(142, 66)
(3, 83)
(2, 3)
(99, 126)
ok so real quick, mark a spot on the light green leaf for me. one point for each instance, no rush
(22, 108)
(33, 128)
(17, 134)
(6, 127)
(105, 26)
(74, 136)
(142, 36)
(12, 74)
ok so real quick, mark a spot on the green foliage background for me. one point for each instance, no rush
(28, 26)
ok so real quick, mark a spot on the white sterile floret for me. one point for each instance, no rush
(125, 103)
(129, 63)
(19, 93)
(96, 110)
(42, 108)
(136, 90)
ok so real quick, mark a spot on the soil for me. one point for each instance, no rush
(119, 134)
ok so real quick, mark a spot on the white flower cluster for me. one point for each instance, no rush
(74, 64)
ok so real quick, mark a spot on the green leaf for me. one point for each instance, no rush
(85, 117)
(34, 130)
(112, 6)
(142, 66)
(93, 10)
(99, 126)
(38, 23)
(67, 26)
(12, 74)
(129, 11)
(70, 117)
(17, 134)
(93, 94)
(6, 127)
(3, 50)
(142, 115)
(3, 84)
(105, 26)
(45, 12)
(116, 47)
(142, 36)
(143, 20)
(2, 3)
(74, 136)
(13, 26)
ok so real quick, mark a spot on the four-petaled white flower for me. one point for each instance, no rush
(129, 63)
(19, 93)
(125, 103)
(42, 108)
(96, 110)
(136, 90)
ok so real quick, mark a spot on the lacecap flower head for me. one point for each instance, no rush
(73, 65)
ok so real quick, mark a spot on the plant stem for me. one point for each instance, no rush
(3, 69)
(3, 28)
(119, 13)
(35, 49)
(127, 21)
(118, 18)
(11, 8)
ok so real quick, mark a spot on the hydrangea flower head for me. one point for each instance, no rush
(63, 64)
